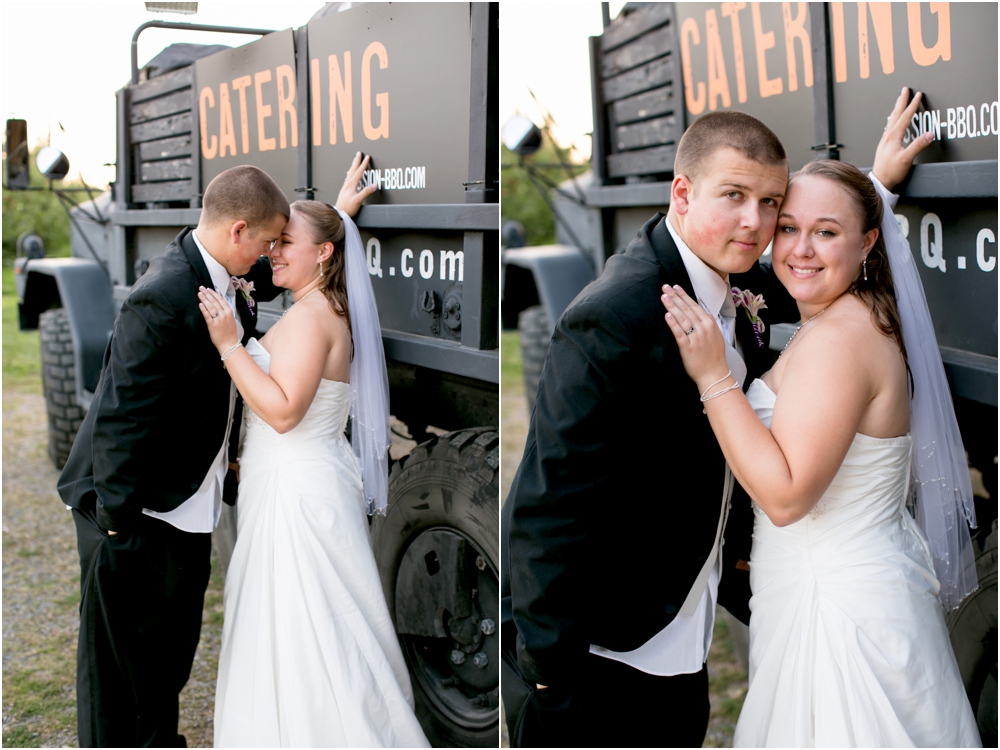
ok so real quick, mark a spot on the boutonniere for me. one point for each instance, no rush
(244, 287)
(752, 304)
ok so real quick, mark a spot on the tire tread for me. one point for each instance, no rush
(59, 383)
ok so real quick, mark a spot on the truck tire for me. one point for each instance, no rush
(437, 551)
(535, 332)
(59, 383)
(973, 631)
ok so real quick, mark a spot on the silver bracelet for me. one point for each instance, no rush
(733, 387)
(715, 384)
(230, 350)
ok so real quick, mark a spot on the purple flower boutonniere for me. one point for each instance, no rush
(244, 287)
(752, 304)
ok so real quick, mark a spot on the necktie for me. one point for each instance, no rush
(230, 488)
(733, 360)
(231, 301)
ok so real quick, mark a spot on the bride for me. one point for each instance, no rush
(309, 653)
(848, 644)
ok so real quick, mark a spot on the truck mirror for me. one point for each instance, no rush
(521, 135)
(512, 234)
(30, 245)
(52, 163)
(18, 177)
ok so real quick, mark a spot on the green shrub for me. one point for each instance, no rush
(39, 212)
(520, 199)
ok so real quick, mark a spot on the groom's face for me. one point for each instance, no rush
(729, 210)
(247, 244)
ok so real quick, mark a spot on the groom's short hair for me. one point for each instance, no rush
(727, 128)
(244, 192)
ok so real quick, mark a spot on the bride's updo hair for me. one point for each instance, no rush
(326, 226)
(878, 292)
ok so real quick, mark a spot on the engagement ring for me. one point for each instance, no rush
(689, 331)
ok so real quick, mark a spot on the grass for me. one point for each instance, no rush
(22, 366)
(513, 410)
(727, 686)
(20, 737)
(511, 376)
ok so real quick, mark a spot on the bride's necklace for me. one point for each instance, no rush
(302, 298)
(795, 333)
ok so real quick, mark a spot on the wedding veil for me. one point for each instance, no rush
(940, 487)
(370, 435)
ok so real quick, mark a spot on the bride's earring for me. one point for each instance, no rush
(864, 268)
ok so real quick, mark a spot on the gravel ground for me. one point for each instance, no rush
(41, 599)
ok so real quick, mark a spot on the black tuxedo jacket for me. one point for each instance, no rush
(615, 505)
(159, 413)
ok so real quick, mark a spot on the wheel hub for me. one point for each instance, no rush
(446, 614)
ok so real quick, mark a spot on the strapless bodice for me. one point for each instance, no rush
(327, 414)
(870, 484)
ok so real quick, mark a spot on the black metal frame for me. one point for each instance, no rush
(824, 123)
(187, 27)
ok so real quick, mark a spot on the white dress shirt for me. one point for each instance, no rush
(682, 647)
(200, 512)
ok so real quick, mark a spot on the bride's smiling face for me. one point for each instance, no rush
(819, 244)
(296, 255)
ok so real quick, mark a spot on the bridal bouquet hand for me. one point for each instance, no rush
(702, 348)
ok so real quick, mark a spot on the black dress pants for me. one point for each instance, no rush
(610, 704)
(142, 594)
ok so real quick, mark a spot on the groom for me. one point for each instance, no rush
(614, 555)
(150, 466)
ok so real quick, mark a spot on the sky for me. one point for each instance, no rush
(63, 61)
(544, 48)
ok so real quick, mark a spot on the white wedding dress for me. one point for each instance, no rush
(309, 654)
(848, 644)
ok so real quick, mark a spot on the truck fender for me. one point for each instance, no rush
(80, 286)
(549, 275)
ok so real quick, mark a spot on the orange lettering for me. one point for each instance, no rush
(796, 29)
(263, 110)
(286, 106)
(227, 136)
(690, 35)
(340, 95)
(240, 84)
(317, 104)
(718, 82)
(942, 48)
(839, 44)
(207, 95)
(381, 100)
(763, 42)
(732, 11)
(882, 18)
